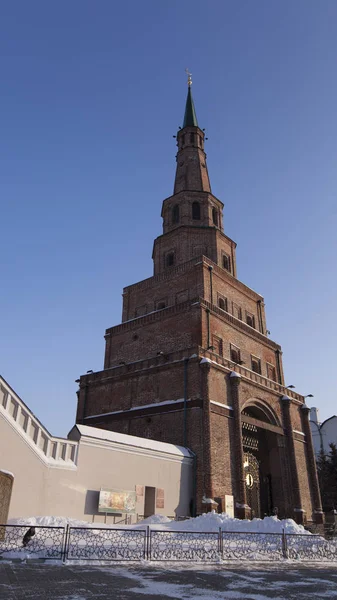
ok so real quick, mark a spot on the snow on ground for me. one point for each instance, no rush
(210, 522)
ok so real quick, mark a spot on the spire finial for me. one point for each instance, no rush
(189, 77)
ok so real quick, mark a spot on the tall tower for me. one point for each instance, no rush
(192, 364)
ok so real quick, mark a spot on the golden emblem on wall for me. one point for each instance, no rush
(249, 480)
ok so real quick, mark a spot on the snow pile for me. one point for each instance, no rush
(51, 522)
(213, 521)
(209, 522)
(155, 520)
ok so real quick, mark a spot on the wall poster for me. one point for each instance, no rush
(117, 501)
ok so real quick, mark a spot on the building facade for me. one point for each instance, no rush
(42, 475)
(323, 433)
(192, 363)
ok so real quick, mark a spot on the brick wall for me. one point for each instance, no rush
(168, 330)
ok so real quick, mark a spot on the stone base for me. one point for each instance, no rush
(319, 517)
(207, 507)
(243, 512)
(300, 516)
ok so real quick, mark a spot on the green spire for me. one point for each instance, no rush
(190, 118)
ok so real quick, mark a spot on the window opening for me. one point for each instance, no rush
(170, 259)
(196, 211)
(226, 262)
(235, 354)
(250, 319)
(215, 217)
(222, 302)
(175, 214)
(218, 346)
(256, 365)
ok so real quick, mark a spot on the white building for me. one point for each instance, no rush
(323, 434)
(47, 475)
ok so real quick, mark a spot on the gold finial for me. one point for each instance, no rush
(189, 77)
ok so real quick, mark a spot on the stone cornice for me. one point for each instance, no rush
(175, 197)
(169, 274)
(249, 376)
(240, 325)
(154, 364)
(201, 227)
(140, 412)
(156, 315)
(233, 281)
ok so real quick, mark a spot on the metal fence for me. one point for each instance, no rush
(252, 546)
(184, 546)
(22, 541)
(118, 544)
(311, 547)
(88, 543)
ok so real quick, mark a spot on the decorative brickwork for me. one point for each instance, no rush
(169, 366)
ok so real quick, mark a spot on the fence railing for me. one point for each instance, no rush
(88, 543)
(18, 541)
(118, 544)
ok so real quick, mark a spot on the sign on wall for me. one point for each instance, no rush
(117, 501)
(229, 505)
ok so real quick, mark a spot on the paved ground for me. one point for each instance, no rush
(244, 582)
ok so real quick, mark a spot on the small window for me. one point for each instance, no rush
(235, 354)
(256, 365)
(237, 312)
(218, 345)
(192, 138)
(175, 214)
(250, 320)
(215, 217)
(161, 305)
(222, 303)
(169, 259)
(196, 211)
(271, 372)
(226, 262)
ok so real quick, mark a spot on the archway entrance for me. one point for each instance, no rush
(262, 439)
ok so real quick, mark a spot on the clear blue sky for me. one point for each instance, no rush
(91, 94)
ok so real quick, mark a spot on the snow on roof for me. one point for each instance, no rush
(132, 440)
(140, 407)
(6, 472)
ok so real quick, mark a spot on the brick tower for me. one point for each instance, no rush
(192, 363)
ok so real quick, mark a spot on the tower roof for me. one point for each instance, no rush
(190, 118)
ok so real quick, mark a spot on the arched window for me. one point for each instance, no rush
(175, 214)
(215, 217)
(222, 304)
(196, 211)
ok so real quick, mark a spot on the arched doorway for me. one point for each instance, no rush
(262, 438)
(6, 485)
